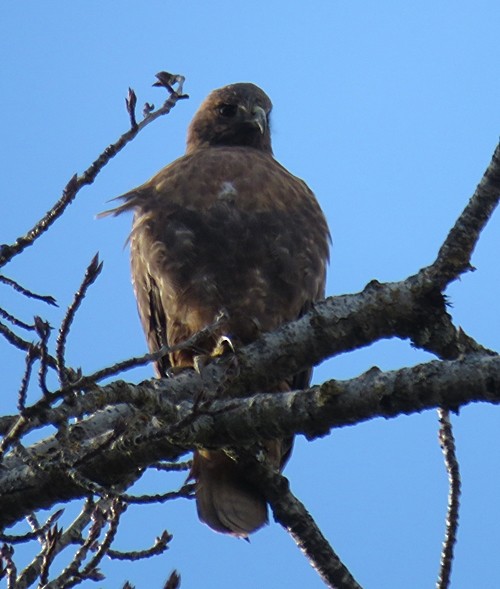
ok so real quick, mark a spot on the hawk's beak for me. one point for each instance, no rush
(259, 118)
(256, 116)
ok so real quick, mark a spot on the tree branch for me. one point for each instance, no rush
(447, 442)
(454, 256)
(219, 423)
(294, 517)
(76, 183)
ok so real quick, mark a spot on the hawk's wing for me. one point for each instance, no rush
(151, 309)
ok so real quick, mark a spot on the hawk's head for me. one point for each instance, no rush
(236, 115)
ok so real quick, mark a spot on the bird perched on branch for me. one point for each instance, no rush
(226, 228)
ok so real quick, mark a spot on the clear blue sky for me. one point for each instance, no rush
(390, 111)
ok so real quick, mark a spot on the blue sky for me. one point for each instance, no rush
(390, 112)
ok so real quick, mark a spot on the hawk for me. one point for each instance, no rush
(226, 229)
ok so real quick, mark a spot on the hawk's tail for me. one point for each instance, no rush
(225, 500)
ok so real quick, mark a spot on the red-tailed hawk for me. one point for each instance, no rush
(226, 228)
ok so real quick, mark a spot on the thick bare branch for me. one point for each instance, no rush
(234, 422)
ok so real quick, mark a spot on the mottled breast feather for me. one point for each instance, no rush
(226, 228)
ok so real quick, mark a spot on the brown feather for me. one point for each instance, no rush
(226, 227)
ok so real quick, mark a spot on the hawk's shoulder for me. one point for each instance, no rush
(221, 174)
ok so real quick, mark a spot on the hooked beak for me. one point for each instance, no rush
(256, 117)
(259, 118)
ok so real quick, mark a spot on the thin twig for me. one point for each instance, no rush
(35, 525)
(7, 252)
(24, 346)
(15, 321)
(23, 389)
(174, 581)
(160, 545)
(172, 466)
(14, 339)
(9, 570)
(186, 492)
(49, 552)
(88, 381)
(116, 509)
(73, 535)
(123, 365)
(91, 487)
(131, 102)
(26, 456)
(92, 272)
(35, 533)
(447, 442)
(50, 300)
(43, 331)
(73, 569)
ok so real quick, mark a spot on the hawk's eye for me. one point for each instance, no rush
(228, 110)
